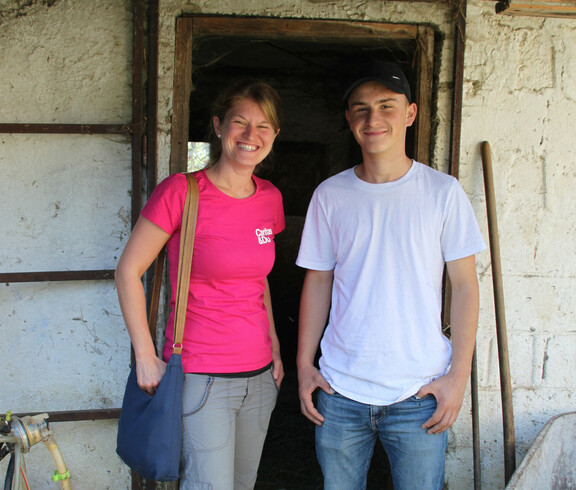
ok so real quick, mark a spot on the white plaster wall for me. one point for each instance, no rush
(63, 64)
(520, 96)
(65, 203)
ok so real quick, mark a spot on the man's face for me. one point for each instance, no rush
(378, 117)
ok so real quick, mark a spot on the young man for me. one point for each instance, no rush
(375, 242)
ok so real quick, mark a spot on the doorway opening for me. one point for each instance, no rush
(305, 61)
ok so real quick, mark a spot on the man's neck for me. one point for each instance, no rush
(376, 170)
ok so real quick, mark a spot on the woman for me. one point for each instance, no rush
(231, 353)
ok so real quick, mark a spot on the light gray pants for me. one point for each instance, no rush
(224, 425)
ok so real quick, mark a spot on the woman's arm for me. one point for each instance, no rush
(144, 244)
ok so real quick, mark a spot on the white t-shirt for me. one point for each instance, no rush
(387, 244)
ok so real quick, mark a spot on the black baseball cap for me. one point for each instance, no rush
(385, 72)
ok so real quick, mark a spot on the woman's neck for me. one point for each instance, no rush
(232, 182)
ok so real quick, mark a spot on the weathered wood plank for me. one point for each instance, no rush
(538, 8)
(182, 89)
(326, 31)
(423, 95)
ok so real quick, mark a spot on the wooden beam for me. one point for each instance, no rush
(457, 98)
(304, 30)
(182, 89)
(138, 101)
(423, 95)
(152, 96)
(538, 8)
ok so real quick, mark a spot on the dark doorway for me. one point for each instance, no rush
(305, 62)
(314, 142)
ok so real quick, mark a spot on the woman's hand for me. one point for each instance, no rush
(149, 372)
(146, 240)
(277, 369)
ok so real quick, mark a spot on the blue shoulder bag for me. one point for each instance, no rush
(150, 426)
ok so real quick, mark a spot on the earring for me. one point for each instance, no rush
(219, 135)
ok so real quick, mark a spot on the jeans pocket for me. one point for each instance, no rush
(418, 398)
(195, 394)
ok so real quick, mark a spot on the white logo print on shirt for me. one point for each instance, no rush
(264, 235)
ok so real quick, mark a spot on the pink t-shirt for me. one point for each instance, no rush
(227, 328)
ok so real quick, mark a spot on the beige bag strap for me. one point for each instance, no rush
(188, 231)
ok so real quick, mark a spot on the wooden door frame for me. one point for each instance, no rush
(190, 27)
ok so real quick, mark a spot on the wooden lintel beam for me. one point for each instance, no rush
(302, 29)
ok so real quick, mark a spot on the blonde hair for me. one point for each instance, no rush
(258, 91)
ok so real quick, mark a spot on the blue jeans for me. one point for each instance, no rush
(345, 442)
(225, 421)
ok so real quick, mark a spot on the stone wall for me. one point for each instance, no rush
(65, 202)
(519, 95)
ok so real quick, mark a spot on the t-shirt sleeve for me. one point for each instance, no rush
(461, 235)
(316, 247)
(279, 220)
(165, 205)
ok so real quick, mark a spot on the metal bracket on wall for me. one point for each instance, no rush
(79, 415)
(29, 128)
(92, 275)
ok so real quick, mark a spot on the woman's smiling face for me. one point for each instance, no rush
(247, 135)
